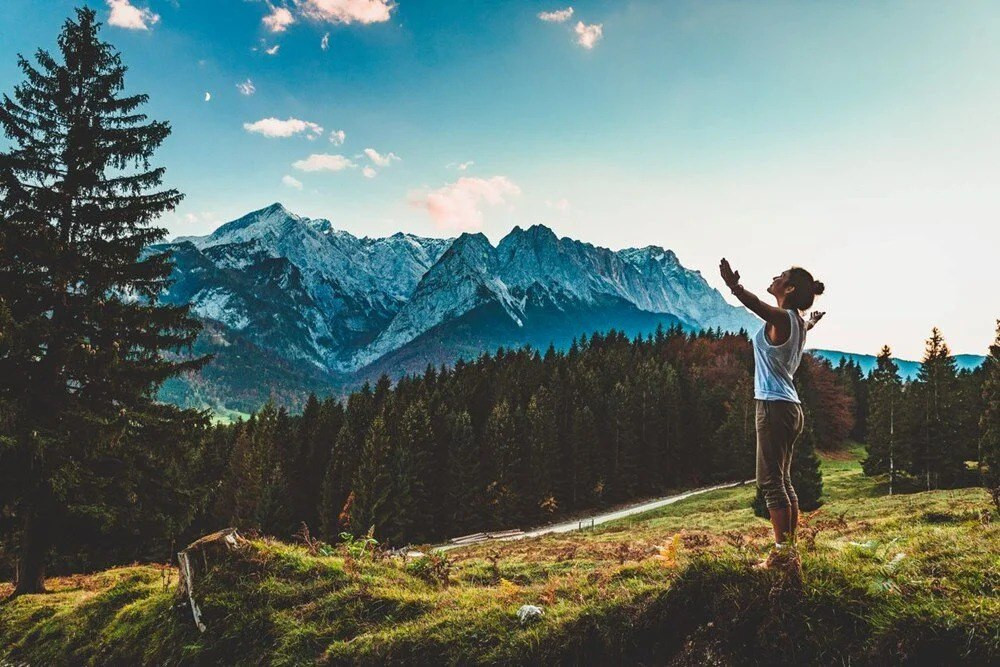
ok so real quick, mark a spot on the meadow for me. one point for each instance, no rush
(910, 579)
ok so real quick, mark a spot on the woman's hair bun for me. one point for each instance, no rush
(818, 287)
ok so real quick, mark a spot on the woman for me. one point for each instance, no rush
(777, 351)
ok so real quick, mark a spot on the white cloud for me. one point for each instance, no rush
(458, 205)
(347, 11)
(324, 162)
(558, 16)
(369, 172)
(277, 128)
(588, 35)
(208, 96)
(291, 182)
(247, 87)
(561, 205)
(279, 19)
(462, 166)
(272, 50)
(325, 42)
(125, 15)
(337, 137)
(381, 160)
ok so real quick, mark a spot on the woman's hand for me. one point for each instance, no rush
(814, 317)
(730, 277)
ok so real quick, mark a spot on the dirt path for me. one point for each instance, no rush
(596, 519)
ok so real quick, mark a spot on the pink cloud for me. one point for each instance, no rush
(459, 205)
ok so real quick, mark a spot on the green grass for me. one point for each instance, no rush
(607, 596)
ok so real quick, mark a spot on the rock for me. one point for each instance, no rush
(528, 613)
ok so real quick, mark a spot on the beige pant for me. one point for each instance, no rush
(779, 424)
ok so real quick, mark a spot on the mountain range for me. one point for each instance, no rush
(293, 305)
(908, 370)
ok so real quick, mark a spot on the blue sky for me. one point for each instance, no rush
(857, 139)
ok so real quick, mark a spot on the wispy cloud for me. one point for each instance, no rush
(272, 50)
(587, 36)
(459, 205)
(208, 96)
(557, 16)
(347, 11)
(381, 160)
(277, 128)
(337, 137)
(324, 162)
(325, 42)
(126, 15)
(462, 166)
(291, 182)
(279, 19)
(246, 87)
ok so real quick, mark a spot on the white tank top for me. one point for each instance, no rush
(775, 365)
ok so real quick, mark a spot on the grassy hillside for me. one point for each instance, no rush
(670, 587)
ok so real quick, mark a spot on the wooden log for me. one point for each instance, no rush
(195, 558)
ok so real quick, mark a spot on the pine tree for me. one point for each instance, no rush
(372, 482)
(465, 483)
(623, 461)
(885, 395)
(77, 196)
(411, 520)
(989, 423)
(343, 460)
(936, 453)
(505, 488)
(543, 444)
(255, 490)
(587, 477)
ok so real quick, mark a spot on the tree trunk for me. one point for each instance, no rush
(31, 556)
(214, 545)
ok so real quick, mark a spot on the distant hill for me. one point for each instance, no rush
(907, 369)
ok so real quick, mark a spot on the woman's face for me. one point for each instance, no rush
(779, 284)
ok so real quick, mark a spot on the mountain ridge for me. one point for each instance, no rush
(309, 293)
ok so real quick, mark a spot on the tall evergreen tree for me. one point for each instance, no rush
(343, 460)
(885, 395)
(505, 489)
(543, 444)
(411, 519)
(373, 482)
(77, 199)
(464, 483)
(936, 456)
(254, 493)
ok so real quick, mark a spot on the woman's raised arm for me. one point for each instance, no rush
(768, 313)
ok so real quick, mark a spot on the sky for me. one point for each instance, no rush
(859, 140)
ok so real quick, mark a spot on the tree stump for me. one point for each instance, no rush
(195, 558)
